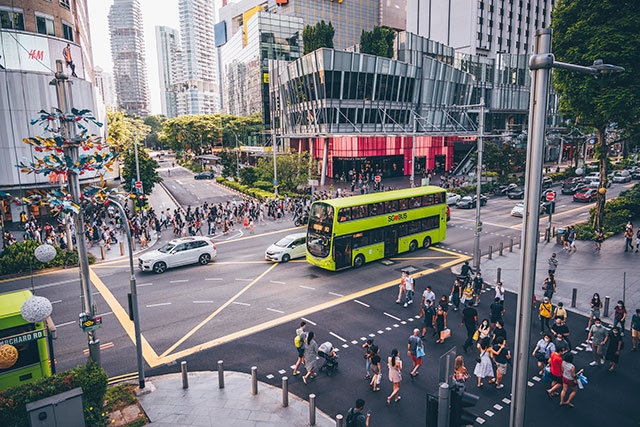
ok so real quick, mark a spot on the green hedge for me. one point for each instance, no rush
(91, 378)
(19, 258)
(616, 214)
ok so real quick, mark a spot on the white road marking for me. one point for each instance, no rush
(277, 282)
(392, 316)
(179, 281)
(269, 376)
(144, 284)
(203, 302)
(380, 332)
(244, 280)
(282, 371)
(335, 295)
(488, 413)
(66, 324)
(338, 336)
(361, 303)
(62, 282)
(307, 287)
(274, 310)
(530, 384)
(506, 401)
(498, 407)
(480, 420)
(354, 342)
(213, 278)
(241, 303)
(56, 301)
(158, 305)
(309, 321)
(345, 345)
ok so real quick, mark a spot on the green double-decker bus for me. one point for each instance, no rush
(351, 231)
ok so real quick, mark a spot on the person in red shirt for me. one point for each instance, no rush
(555, 365)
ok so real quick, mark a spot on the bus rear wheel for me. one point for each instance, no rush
(427, 242)
(358, 261)
(413, 246)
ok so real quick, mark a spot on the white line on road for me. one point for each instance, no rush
(66, 324)
(307, 287)
(392, 316)
(309, 321)
(244, 280)
(335, 295)
(213, 278)
(277, 311)
(338, 336)
(241, 303)
(56, 301)
(203, 302)
(62, 282)
(144, 284)
(361, 303)
(158, 305)
(278, 282)
(179, 281)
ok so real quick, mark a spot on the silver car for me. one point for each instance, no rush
(177, 252)
(289, 247)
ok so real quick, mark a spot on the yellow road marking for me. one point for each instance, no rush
(147, 351)
(215, 313)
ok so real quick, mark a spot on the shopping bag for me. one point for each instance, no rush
(445, 334)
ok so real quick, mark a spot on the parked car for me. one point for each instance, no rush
(570, 186)
(586, 195)
(636, 173)
(177, 252)
(205, 175)
(516, 193)
(546, 182)
(453, 198)
(289, 247)
(621, 176)
(469, 202)
(505, 188)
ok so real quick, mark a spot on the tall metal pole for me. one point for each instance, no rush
(135, 150)
(275, 168)
(134, 293)
(63, 93)
(540, 64)
(412, 179)
(237, 157)
(478, 230)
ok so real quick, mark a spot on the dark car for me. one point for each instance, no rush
(546, 182)
(635, 174)
(516, 193)
(586, 195)
(572, 185)
(205, 175)
(469, 202)
(543, 196)
(505, 188)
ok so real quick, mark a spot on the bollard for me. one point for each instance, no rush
(121, 248)
(499, 274)
(220, 374)
(520, 244)
(102, 254)
(607, 299)
(574, 297)
(553, 232)
(312, 409)
(254, 380)
(510, 245)
(285, 392)
(185, 375)
(443, 405)
(500, 248)
(490, 251)
(339, 419)
(547, 235)
(133, 244)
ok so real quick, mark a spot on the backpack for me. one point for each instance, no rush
(298, 341)
(352, 416)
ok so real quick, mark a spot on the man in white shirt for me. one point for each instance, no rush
(500, 292)
(428, 295)
(409, 285)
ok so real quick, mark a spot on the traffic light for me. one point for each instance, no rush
(550, 207)
(459, 416)
(142, 201)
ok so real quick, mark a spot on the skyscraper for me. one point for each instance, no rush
(169, 67)
(104, 83)
(127, 51)
(199, 91)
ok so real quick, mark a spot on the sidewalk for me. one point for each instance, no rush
(586, 270)
(167, 404)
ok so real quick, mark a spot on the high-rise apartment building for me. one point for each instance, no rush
(169, 68)
(199, 93)
(106, 87)
(481, 27)
(128, 54)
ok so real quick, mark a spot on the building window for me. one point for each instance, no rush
(67, 31)
(65, 4)
(45, 25)
(11, 19)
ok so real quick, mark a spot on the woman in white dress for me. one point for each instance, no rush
(395, 374)
(483, 368)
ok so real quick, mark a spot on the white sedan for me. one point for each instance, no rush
(289, 247)
(453, 198)
(518, 209)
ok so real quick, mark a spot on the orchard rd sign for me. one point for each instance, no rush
(23, 338)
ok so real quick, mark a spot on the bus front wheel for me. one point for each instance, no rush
(358, 261)
(427, 242)
(413, 246)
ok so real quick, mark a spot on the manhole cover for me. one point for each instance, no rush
(432, 265)
(387, 262)
(410, 269)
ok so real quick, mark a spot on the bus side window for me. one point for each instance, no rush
(344, 214)
(373, 209)
(375, 236)
(391, 206)
(414, 227)
(416, 202)
(439, 198)
(402, 229)
(379, 208)
(404, 204)
(364, 211)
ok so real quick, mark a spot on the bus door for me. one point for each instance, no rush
(342, 251)
(390, 241)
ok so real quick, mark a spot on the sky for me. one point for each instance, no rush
(155, 12)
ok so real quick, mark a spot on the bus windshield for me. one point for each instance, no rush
(320, 229)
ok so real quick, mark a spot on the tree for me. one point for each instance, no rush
(293, 170)
(155, 138)
(228, 160)
(317, 36)
(148, 166)
(378, 42)
(586, 30)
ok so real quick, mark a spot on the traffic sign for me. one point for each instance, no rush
(551, 196)
(377, 178)
(138, 185)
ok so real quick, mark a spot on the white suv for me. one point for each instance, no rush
(177, 252)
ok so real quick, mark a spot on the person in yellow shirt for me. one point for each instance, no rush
(546, 313)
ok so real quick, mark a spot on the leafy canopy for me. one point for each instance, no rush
(317, 36)
(378, 42)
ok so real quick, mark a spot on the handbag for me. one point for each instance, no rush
(476, 335)
(420, 351)
(444, 334)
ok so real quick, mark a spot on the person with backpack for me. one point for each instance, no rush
(355, 417)
(298, 342)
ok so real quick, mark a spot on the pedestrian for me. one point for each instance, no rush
(395, 375)
(484, 330)
(501, 355)
(415, 350)
(467, 293)
(298, 342)
(599, 239)
(496, 311)
(355, 417)
(549, 286)
(614, 339)
(428, 294)
(560, 312)
(553, 264)
(470, 322)
(456, 294)
(555, 371)
(478, 286)
(628, 238)
(465, 272)
(569, 380)
(635, 330)
(560, 328)
(428, 313)
(409, 286)
(597, 335)
(543, 351)
(620, 316)
(402, 288)
(571, 236)
(545, 313)
(367, 357)
(310, 356)
(499, 292)
(484, 367)
(460, 373)
(594, 311)
(376, 368)
(499, 332)
(440, 324)
(638, 240)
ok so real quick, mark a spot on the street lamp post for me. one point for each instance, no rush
(540, 65)
(478, 229)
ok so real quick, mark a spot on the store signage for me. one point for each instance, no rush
(23, 338)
